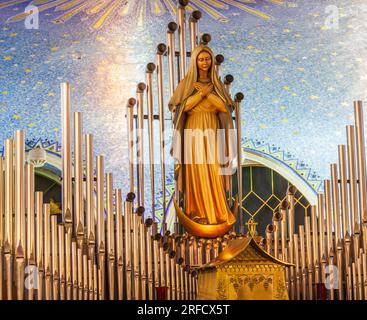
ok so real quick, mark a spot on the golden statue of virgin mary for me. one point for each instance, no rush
(202, 106)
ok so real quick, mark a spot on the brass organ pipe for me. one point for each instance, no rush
(39, 243)
(181, 18)
(339, 262)
(328, 214)
(347, 243)
(359, 273)
(140, 141)
(269, 238)
(219, 58)
(331, 275)
(276, 222)
(349, 288)
(161, 48)
(79, 256)
(85, 277)
(66, 153)
(150, 258)
(20, 243)
(78, 173)
(167, 270)
(75, 265)
(128, 209)
(149, 72)
(119, 244)
(2, 213)
(228, 79)
(303, 261)
(193, 27)
(343, 189)
(320, 198)
(354, 277)
(54, 254)
(136, 218)
(352, 177)
(143, 260)
(91, 236)
(361, 157)
(172, 27)
(356, 242)
(90, 278)
(61, 242)
(31, 245)
(308, 242)
(130, 139)
(8, 237)
(110, 235)
(172, 256)
(238, 98)
(95, 281)
(100, 225)
(283, 233)
(68, 262)
(162, 275)
(156, 262)
(336, 209)
(297, 273)
(2, 221)
(364, 267)
(47, 251)
(315, 236)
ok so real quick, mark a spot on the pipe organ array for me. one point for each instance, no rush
(105, 246)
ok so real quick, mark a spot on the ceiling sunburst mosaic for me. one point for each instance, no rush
(99, 12)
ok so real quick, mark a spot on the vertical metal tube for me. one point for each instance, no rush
(31, 235)
(149, 72)
(336, 209)
(193, 27)
(343, 189)
(143, 260)
(47, 251)
(119, 244)
(228, 79)
(219, 58)
(160, 51)
(128, 212)
(269, 238)
(181, 18)
(171, 53)
(339, 262)
(130, 139)
(2, 212)
(9, 178)
(66, 153)
(140, 141)
(110, 236)
(39, 244)
(79, 254)
(85, 276)
(296, 258)
(320, 209)
(61, 242)
(55, 260)
(150, 257)
(238, 98)
(20, 243)
(328, 214)
(75, 265)
(101, 244)
(303, 261)
(361, 157)
(78, 174)
(283, 211)
(353, 206)
(91, 236)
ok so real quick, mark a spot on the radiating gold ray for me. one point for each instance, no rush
(142, 13)
(38, 2)
(69, 14)
(100, 5)
(11, 3)
(211, 11)
(171, 7)
(248, 9)
(99, 23)
(217, 4)
(280, 2)
(68, 5)
(44, 7)
(157, 8)
(127, 8)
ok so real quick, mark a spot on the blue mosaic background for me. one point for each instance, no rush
(299, 74)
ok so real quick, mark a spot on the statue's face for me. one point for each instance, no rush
(204, 61)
